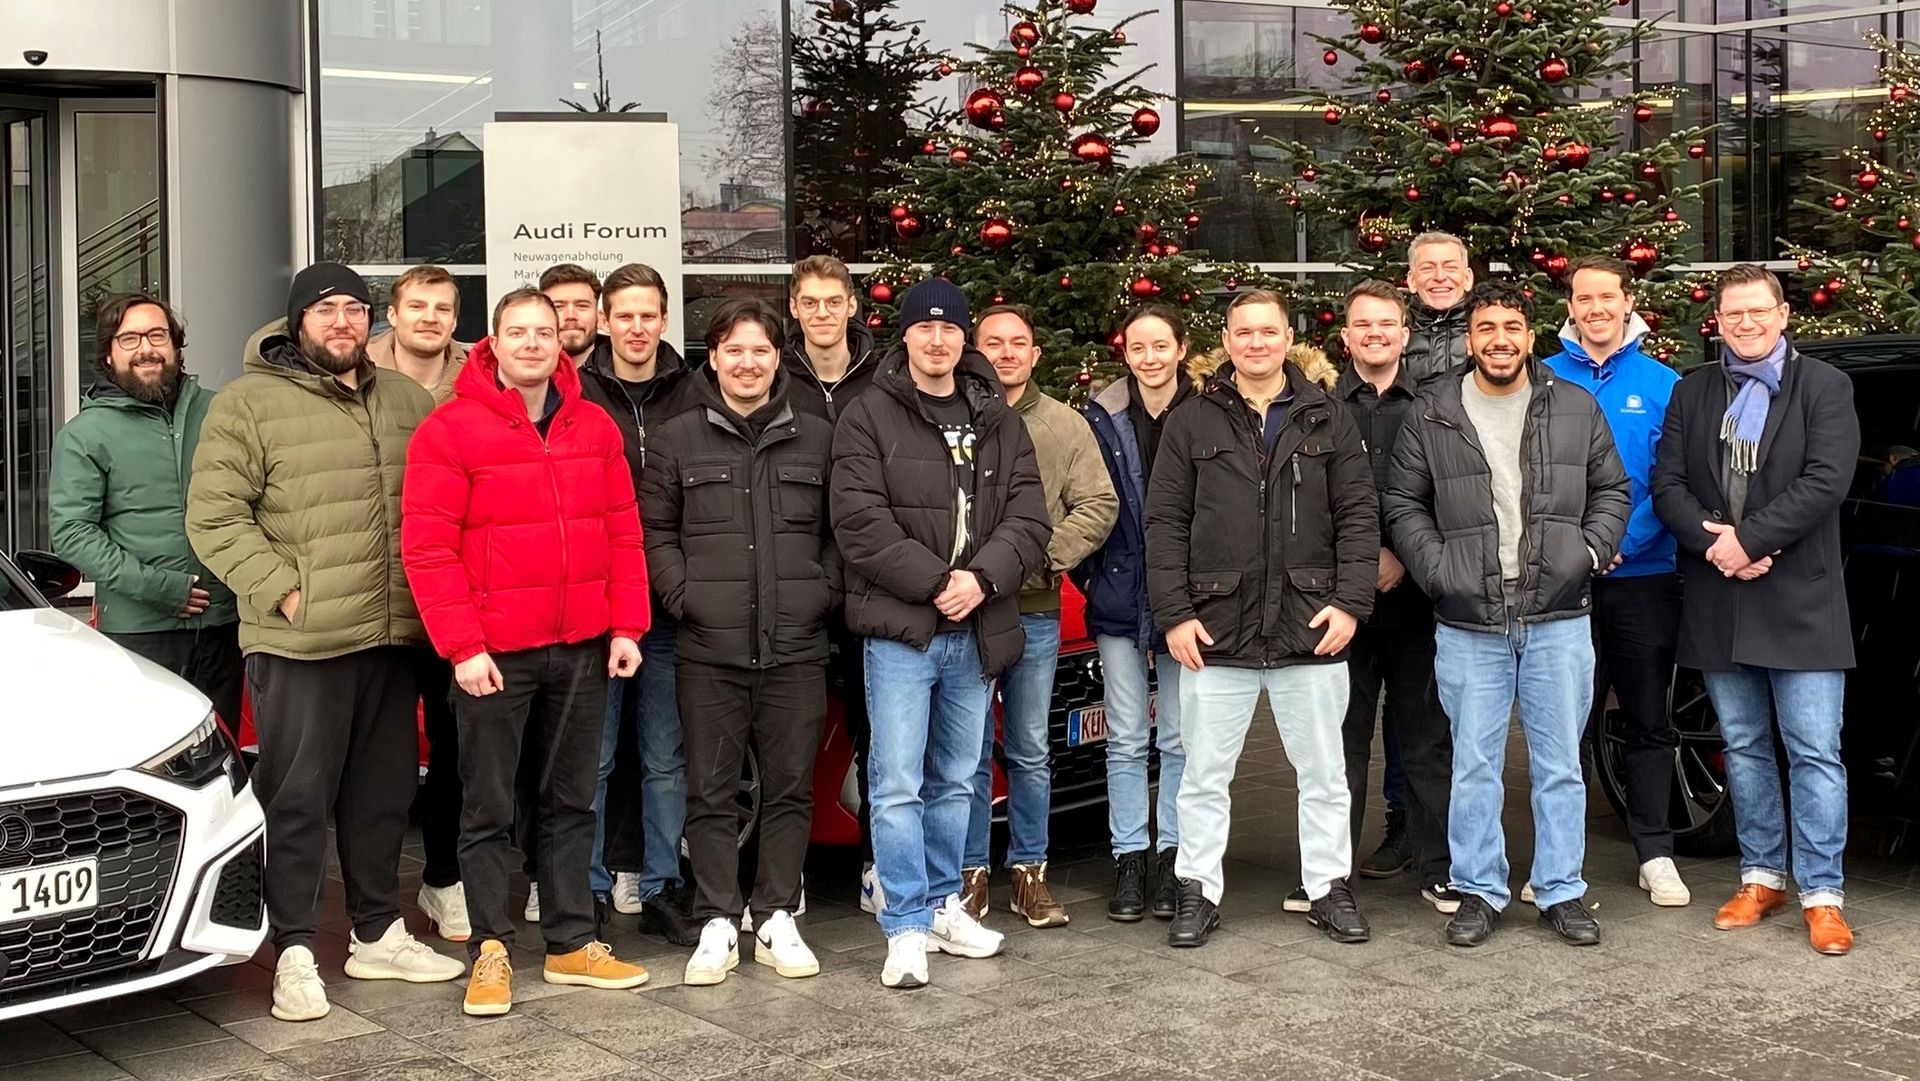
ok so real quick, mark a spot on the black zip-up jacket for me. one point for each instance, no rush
(1436, 340)
(809, 394)
(1381, 418)
(1255, 545)
(669, 393)
(893, 510)
(1439, 505)
(735, 525)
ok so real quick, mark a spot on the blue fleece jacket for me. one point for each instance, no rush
(1633, 390)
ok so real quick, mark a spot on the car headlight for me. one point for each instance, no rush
(200, 756)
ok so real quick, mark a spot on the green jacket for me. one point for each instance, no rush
(297, 486)
(1080, 497)
(118, 508)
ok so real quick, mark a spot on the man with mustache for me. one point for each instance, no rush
(118, 504)
(295, 504)
(1439, 273)
(575, 292)
(1507, 474)
(422, 309)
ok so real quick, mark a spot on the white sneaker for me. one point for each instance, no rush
(746, 920)
(1661, 879)
(872, 897)
(298, 993)
(1526, 894)
(532, 911)
(398, 955)
(778, 944)
(626, 893)
(906, 966)
(446, 911)
(717, 954)
(959, 934)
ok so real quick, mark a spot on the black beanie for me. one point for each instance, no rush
(317, 283)
(934, 299)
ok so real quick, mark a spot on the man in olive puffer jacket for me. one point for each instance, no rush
(295, 505)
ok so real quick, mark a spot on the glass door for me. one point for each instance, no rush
(26, 326)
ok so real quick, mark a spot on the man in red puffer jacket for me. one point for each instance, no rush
(521, 540)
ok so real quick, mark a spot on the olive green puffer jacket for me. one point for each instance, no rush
(296, 485)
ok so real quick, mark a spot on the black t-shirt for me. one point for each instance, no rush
(1146, 427)
(954, 418)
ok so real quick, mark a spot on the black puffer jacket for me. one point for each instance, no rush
(893, 511)
(808, 393)
(1255, 547)
(1381, 418)
(738, 547)
(669, 393)
(1439, 505)
(1436, 340)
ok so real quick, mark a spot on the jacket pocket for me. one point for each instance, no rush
(800, 493)
(1216, 602)
(1312, 581)
(707, 491)
(299, 620)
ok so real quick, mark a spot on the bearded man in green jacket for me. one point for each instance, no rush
(295, 504)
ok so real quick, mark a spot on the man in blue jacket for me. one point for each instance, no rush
(1636, 602)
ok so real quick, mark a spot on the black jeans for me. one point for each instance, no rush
(438, 801)
(544, 723)
(781, 710)
(338, 746)
(1636, 625)
(209, 658)
(847, 675)
(1397, 656)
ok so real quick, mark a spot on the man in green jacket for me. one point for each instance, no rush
(295, 504)
(118, 506)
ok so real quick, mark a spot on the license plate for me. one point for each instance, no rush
(49, 890)
(1085, 725)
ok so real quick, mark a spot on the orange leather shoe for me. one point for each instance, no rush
(1827, 929)
(1749, 906)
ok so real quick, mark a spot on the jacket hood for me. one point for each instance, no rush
(706, 388)
(1637, 329)
(1114, 398)
(1307, 361)
(859, 345)
(480, 382)
(272, 351)
(105, 393)
(973, 376)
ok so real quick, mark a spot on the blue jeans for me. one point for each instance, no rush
(1026, 696)
(663, 784)
(1807, 706)
(1548, 666)
(1130, 724)
(927, 709)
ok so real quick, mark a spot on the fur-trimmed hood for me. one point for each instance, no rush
(1311, 360)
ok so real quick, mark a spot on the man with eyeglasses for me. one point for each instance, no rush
(295, 505)
(829, 350)
(1755, 459)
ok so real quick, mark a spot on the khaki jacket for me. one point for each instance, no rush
(1080, 499)
(380, 349)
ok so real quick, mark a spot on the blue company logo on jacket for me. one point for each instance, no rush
(1632, 389)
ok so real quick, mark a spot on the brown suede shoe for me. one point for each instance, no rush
(1749, 906)
(1032, 900)
(973, 892)
(1827, 929)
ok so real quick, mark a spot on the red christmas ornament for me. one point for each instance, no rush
(1499, 126)
(1006, 145)
(899, 212)
(1455, 147)
(1083, 378)
(945, 69)
(1652, 319)
(1413, 194)
(1119, 209)
(1120, 36)
(982, 104)
(881, 292)
(1642, 255)
(959, 249)
(1538, 258)
(814, 109)
(1093, 149)
(1697, 151)
(996, 233)
(1821, 298)
(1699, 294)
(1576, 155)
(1416, 71)
(1550, 153)
(1066, 183)
(1066, 281)
(1435, 161)
(929, 147)
(1374, 34)
(959, 155)
(1459, 60)
(1840, 201)
(1671, 215)
(1804, 264)
(1024, 33)
(1563, 199)
(1331, 116)
(1146, 121)
(1898, 93)
(998, 298)
(1309, 174)
(1169, 248)
(1023, 52)
(1143, 288)
(1554, 69)
(875, 322)
(909, 226)
(1383, 95)
(1028, 79)
(1867, 181)
(1117, 339)
(1879, 135)
(1148, 231)
(1629, 196)
(1916, 241)
(1649, 171)
(1193, 222)
(1606, 195)
(1064, 101)
(1373, 241)
(1186, 298)
(1556, 265)
(1230, 284)
(998, 122)
(1904, 223)
(1156, 249)
(1330, 58)
(1514, 179)
(1642, 113)
(1080, 7)
(1503, 9)
(1325, 317)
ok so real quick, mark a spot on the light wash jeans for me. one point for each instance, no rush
(1548, 666)
(1026, 697)
(1129, 727)
(1309, 703)
(1807, 706)
(927, 710)
(663, 757)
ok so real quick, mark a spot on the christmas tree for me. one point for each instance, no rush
(1869, 285)
(858, 77)
(1499, 121)
(1028, 197)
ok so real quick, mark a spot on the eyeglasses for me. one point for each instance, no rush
(354, 311)
(131, 340)
(833, 305)
(1752, 315)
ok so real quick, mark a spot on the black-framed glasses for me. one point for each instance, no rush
(131, 340)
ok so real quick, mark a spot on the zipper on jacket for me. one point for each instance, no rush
(1293, 499)
(560, 515)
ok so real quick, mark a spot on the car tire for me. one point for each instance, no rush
(1702, 808)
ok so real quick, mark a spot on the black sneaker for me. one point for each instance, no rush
(1473, 924)
(1339, 917)
(1197, 918)
(1444, 898)
(1129, 901)
(1297, 901)
(1393, 856)
(666, 914)
(1573, 923)
(1166, 896)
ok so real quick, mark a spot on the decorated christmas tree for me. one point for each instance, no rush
(1029, 196)
(1509, 123)
(859, 75)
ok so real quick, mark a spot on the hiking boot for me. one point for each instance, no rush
(1129, 902)
(1032, 900)
(973, 891)
(1394, 855)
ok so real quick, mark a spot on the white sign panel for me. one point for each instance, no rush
(600, 191)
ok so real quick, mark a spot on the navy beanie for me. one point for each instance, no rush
(934, 299)
(317, 283)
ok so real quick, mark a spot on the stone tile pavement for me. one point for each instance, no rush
(1664, 997)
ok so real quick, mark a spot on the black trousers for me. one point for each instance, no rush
(437, 804)
(847, 675)
(545, 722)
(1397, 657)
(338, 747)
(781, 710)
(209, 658)
(1636, 627)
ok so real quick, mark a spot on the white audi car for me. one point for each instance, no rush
(130, 842)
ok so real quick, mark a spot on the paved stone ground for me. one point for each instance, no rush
(1665, 996)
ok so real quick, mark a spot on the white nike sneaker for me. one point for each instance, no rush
(778, 943)
(1526, 894)
(626, 893)
(398, 955)
(872, 897)
(532, 911)
(717, 954)
(906, 966)
(298, 993)
(446, 910)
(1661, 879)
(959, 934)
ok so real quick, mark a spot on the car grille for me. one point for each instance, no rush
(236, 900)
(1081, 772)
(137, 841)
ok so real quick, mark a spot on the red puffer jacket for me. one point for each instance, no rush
(512, 541)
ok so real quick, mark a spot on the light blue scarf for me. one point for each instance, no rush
(1755, 384)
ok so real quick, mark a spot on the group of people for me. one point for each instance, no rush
(629, 570)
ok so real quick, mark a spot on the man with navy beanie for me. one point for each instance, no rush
(939, 512)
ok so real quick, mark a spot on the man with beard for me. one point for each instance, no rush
(421, 312)
(118, 506)
(1439, 272)
(295, 504)
(1508, 475)
(575, 292)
